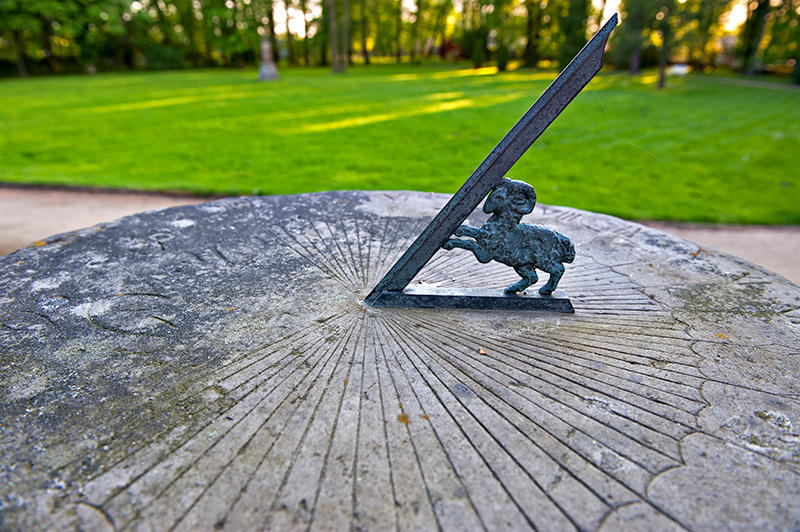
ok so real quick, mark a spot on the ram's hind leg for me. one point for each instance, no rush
(556, 271)
(529, 277)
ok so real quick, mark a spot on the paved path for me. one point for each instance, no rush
(29, 214)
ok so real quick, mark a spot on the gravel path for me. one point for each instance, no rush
(28, 214)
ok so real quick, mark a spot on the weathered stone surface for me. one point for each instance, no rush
(212, 366)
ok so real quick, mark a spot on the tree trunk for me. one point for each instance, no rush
(332, 23)
(636, 57)
(346, 47)
(533, 27)
(19, 52)
(324, 27)
(753, 33)
(364, 51)
(47, 48)
(303, 8)
(273, 39)
(398, 50)
(415, 31)
(289, 45)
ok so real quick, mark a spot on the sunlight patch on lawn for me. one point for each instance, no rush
(397, 115)
(447, 74)
(166, 102)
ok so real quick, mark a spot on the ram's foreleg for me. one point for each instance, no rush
(469, 245)
(465, 230)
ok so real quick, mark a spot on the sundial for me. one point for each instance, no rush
(503, 238)
(215, 367)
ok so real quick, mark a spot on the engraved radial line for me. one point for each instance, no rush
(393, 463)
(630, 389)
(139, 462)
(299, 335)
(360, 253)
(368, 263)
(331, 254)
(565, 342)
(401, 247)
(459, 475)
(546, 351)
(212, 484)
(615, 354)
(182, 471)
(352, 257)
(296, 454)
(341, 252)
(257, 473)
(560, 442)
(569, 408)
(359, 342)
(329, 257)
(385, 249)
(610, 416)
(373, 335)
(379, 255)
(330, 260)
(673, 390)
(567, 469)
(396, 334)
(547, 354)
(354, 473)
(388, 339)
(325, 269)
(486, 433)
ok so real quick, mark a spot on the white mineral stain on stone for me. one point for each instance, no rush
(48, 283)
(96, 307)
(23, 388)
(182, 223)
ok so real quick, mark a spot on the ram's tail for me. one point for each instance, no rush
(568, 250)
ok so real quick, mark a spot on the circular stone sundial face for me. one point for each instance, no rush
(213, 367)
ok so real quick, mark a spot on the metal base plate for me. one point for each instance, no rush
(474, 298)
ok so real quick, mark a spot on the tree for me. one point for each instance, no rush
(752, 34)
(364, 51)
(783, 46)
(336, 57)
(573, 26)
(533, 31)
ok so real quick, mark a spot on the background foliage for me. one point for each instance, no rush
(90, 35)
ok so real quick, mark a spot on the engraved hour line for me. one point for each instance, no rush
(180, 473)
(193, 436)
(166, 434)
(427, 411)
(325, 356)
(648, 502)
(523, 361)
(396, 338)
(255, 443)
(541, 408)
(409, 389)
(399, 470)
(353, 347)
(326, 242)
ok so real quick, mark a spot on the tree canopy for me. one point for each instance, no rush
(41, 36)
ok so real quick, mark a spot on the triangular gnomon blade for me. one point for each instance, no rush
(488, 175)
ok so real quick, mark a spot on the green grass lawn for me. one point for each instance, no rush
(701, 150)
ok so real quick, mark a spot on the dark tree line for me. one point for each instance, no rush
(89, 35)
